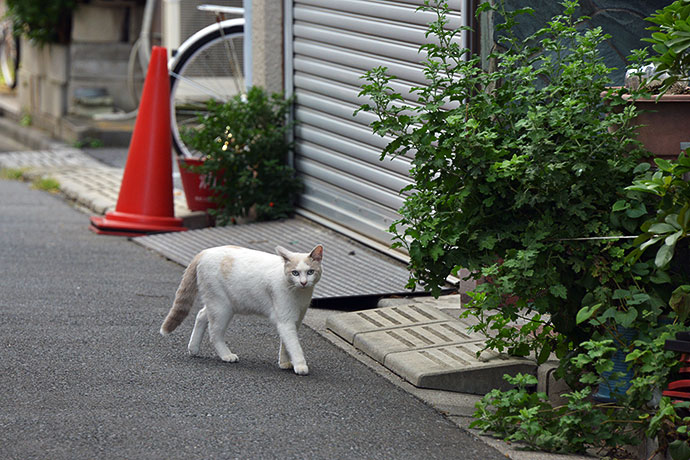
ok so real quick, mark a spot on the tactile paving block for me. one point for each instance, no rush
(379, 344)
(347, 325)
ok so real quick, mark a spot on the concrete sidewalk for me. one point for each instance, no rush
(397, 341)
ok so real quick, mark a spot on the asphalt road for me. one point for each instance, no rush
(85, 374)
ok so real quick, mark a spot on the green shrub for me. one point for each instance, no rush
(246, 148)
(515, 171)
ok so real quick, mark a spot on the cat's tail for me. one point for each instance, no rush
(184, 299)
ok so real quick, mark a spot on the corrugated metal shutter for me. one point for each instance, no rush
(334, 42)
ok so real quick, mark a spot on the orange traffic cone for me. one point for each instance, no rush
(145, 202)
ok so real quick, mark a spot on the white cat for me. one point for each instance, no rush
(230, 280)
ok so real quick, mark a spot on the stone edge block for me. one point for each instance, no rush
(478, 378)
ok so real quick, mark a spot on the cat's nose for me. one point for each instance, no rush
(303, 282)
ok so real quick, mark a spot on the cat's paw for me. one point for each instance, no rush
(301, 369)
(230, 358)
(193, 350)
(285, 364)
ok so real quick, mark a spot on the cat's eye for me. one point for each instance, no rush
(310, 272)
(295, 273)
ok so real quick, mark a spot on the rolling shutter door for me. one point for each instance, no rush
(334, 42)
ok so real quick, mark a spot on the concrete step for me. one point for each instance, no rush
(428, 348)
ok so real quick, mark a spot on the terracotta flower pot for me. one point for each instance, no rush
(666, 124)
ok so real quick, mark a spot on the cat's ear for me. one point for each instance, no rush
(284, 253)
(317, 253)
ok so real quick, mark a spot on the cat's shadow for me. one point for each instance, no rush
(247, 366)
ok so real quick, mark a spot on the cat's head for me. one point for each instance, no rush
(302, 270)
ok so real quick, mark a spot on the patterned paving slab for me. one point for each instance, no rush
(380, 344)
(427, 347)
(348, 326)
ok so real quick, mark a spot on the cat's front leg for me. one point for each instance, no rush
(283, 358)
(290, 343)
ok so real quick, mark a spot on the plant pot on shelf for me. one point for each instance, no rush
(196, 186)
(665, 124)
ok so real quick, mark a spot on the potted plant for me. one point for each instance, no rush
(245, 147)
(666, 108)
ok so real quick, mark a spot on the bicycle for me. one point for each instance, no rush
(208, 65)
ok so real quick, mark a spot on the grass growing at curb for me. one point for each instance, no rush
(47, 184)
(12, 173)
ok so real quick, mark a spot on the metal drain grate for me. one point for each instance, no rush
(350, 268)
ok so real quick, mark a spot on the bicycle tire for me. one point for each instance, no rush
(197, 75)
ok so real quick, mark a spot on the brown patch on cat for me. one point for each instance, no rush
(226, 265)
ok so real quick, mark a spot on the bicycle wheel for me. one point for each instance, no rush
(208, 65)
(9, 59)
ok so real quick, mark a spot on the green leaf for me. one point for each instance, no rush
(620, 205)
(558, 290)
(650, 242)
(661, 228)
(627, 318)
(642, 167)
(671, 240)
(436, 251)
(636, 212)
(679, 450)
(664, 165)
(673, 220)
(664, 255)
(660, 277)
(586, 312)
(620, 294)
(544, 354)
(680, 302)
